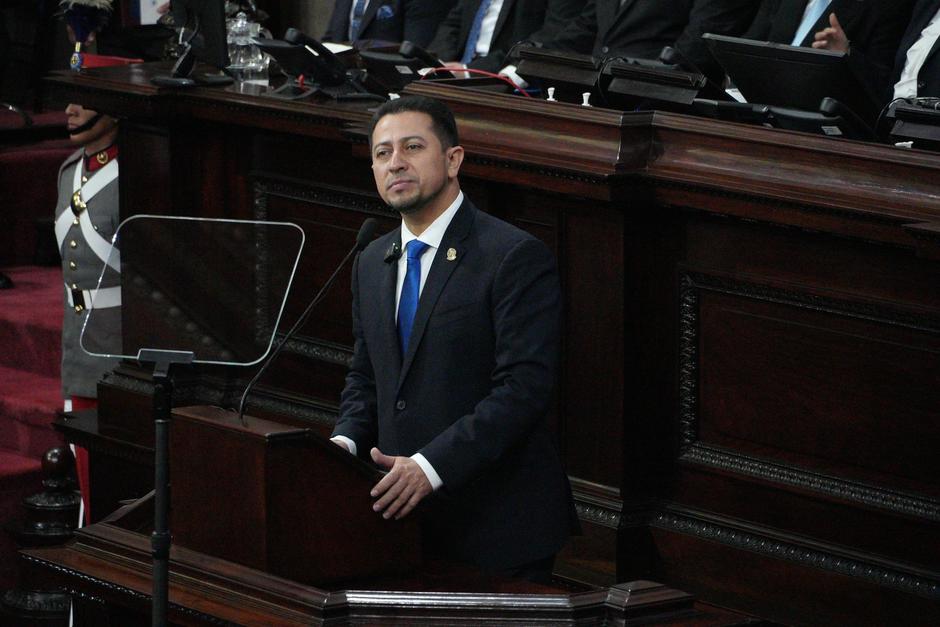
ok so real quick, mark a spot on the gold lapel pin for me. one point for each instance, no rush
(451, 254)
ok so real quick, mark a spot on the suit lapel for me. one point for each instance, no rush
(787, 19)
(441, 271)
(933, 51)
(369, 15)
(614, 13)
(923, 13)
(339, 22)
(389, 330)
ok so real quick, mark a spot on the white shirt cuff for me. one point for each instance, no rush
(349, 443)
(510, 71)
(429, 471)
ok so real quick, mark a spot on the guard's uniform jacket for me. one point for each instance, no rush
(86, 219)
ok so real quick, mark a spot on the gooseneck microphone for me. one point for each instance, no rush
(366, 232)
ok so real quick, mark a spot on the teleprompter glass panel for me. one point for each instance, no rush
(214, 287)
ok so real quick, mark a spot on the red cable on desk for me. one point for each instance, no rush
(501, 77)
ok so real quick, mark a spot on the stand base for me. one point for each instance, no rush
(207, 80)
(214, 80)
(290, 91)
(172, 81)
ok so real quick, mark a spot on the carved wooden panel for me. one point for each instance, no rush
(806, 431)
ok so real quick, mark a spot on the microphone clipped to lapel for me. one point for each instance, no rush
(393, 253)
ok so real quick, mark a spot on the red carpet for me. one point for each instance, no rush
(30, 336)
(28, 177)
(8, 119)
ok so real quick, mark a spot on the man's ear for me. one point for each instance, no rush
(454, 160)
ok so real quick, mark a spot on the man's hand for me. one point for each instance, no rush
(832, 38)
(454, 67)
(402, 488)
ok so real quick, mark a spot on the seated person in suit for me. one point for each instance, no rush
(386, 20)
(869, 30)
(641, 28)
(456, 323)
(917, 64)
(479, 33)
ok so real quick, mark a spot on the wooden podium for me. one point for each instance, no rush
(273, 525)
(280, 499)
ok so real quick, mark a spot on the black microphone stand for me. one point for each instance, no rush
(366, 231)
(163, 362)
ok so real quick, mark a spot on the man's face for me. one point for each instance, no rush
(77, 120)
(411, 167)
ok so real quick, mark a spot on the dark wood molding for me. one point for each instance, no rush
(597, 504)
(801, 551)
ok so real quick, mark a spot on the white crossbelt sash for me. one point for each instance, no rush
(99, 245)
(101, 298)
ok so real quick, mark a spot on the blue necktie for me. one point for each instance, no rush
(358, 10)
(813, 12)
(410, 290)
(474, 36)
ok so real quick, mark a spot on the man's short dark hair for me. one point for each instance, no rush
(442, 119)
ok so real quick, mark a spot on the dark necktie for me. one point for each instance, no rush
(410, 290)
(358, 10)
(474, 36)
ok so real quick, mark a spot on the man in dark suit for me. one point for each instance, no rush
(456, 325)
(515, 20)
(869, 30)
(917, 63)
(642, 28)
(386, 20)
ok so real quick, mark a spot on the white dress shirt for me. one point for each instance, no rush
(906, 87)
(431, 236)
(488, 27)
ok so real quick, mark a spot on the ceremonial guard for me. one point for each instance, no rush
(86, 218)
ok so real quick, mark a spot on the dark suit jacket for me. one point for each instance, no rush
(472, 391)
(928, 79)
(641, 28)
(874, 29)
(536, 20)
(390, 20)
